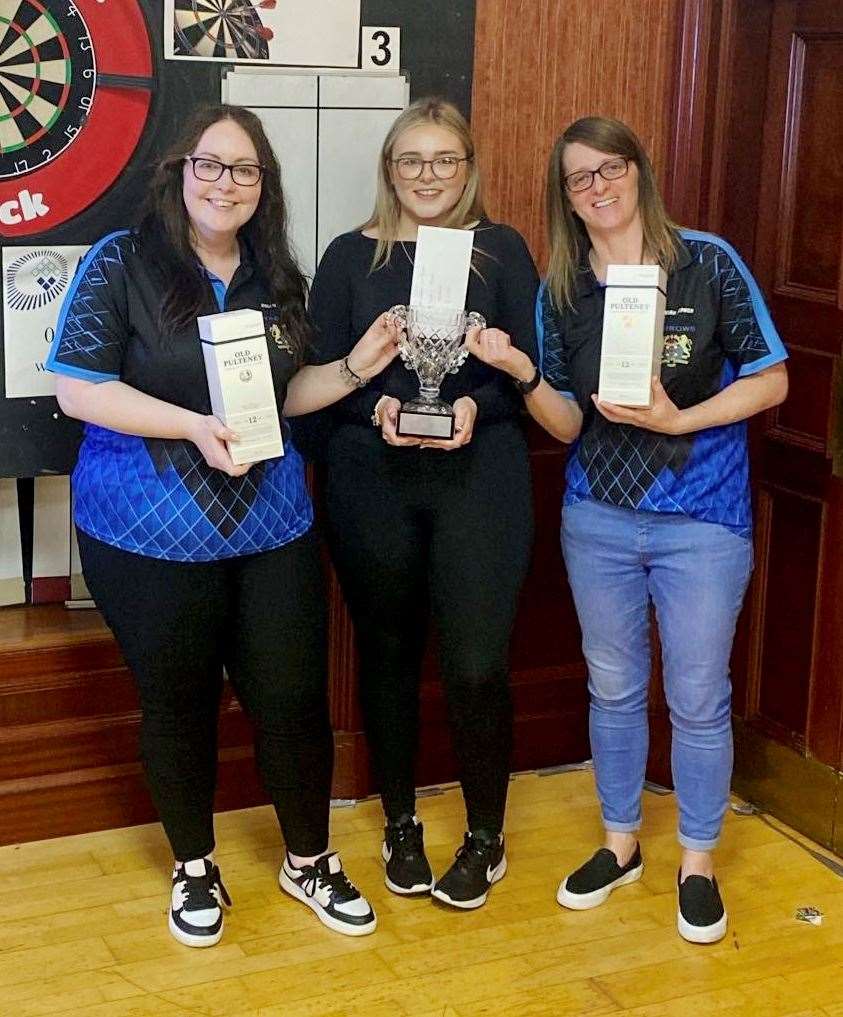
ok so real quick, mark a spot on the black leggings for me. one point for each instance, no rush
(415, 529)
(262, 617)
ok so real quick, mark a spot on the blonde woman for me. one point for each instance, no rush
(657, 501)
(424, 524)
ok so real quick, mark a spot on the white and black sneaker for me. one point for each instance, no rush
(701, 917)
(327, 891)
(590, 885)
(478, 864)
(196, 903)
(407, 868)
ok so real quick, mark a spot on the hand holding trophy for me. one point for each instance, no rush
(431, 344)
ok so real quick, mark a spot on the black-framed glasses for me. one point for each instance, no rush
(443, 167)
(611, 169)
(247, 174)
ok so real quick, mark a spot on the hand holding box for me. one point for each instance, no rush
(633, 333)
(240, 383)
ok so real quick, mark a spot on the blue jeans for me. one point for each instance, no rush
(696, 574)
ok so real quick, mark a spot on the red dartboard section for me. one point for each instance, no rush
(76, 81)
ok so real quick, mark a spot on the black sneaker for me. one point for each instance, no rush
(407, 867)
(327, 891)
(592, 883)
(195, 906)
(478, 864)
(701, 917)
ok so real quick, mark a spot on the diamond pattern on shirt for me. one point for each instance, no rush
(90, 330)
(128, 500)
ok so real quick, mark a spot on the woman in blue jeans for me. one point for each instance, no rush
(657, 502)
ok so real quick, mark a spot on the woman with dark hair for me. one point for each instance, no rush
(420, 524)
(657, 502)
(198, 564)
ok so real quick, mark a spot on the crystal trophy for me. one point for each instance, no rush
(432, 345)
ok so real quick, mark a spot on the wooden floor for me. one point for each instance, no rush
(83, 929)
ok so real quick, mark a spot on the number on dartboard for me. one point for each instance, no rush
(49, 334)
(383, 41)
(47, 81)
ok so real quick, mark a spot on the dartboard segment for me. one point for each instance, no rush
(47, 82)
(220, 28)
(75, 92)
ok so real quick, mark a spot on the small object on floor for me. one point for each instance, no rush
(195, 917)
(811, 915)
(328, 892)
(407, 868)
(743, 809)
(701, 917)
(590, 885)
(478, 865)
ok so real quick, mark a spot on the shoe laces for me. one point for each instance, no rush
(318, 875)
(473, 851)
(203, 892)
(406, 837)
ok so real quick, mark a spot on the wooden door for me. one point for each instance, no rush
(789, 687)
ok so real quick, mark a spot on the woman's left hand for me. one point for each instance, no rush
(465, 413)
(495, 348)
(664, 416)
(375, 349)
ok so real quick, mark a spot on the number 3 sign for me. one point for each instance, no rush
(381, 49)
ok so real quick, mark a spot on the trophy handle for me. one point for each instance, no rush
(398, 312)
(474, 319)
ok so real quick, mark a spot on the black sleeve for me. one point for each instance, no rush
(93, 329)
(330, 308)
(517, 283)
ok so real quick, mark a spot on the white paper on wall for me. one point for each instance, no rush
(35, 281)
(12, 590)
(296, 33)
(79, 593)
(327, 131)
(51, 528)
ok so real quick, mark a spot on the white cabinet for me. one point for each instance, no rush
(327, 131)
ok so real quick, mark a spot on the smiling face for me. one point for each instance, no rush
(607, 206)
(217, 210)
(427, 200)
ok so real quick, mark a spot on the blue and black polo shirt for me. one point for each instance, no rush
(159, 497)
(717, 329)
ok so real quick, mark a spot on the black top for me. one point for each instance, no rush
(155, 496)
(717, 329)
(347, 296)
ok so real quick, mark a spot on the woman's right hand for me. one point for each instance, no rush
(209, 435)
(387, 408)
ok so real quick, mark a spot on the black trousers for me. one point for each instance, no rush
(260, 616)
(414, 531)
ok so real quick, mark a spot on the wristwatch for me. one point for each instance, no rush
(526, 387)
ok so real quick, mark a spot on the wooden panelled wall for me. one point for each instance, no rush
(688, 76)
(539, 64)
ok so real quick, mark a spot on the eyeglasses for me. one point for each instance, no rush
(445, 167)
(611, 169)
(247, 174)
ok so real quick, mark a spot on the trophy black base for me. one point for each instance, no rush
(436, 422)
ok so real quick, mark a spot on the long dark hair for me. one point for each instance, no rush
(165, 231)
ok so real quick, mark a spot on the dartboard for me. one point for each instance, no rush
(222, 28)
(75, 90)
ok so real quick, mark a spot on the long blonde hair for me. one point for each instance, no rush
(569, 241)
(387, 211)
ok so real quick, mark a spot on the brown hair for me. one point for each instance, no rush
(165, 229)
(569, 241)
(387, 210)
